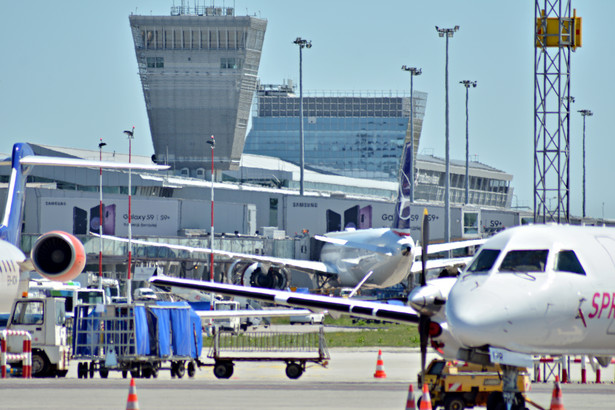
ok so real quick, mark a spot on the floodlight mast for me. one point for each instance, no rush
(302, 43)
(447, 33)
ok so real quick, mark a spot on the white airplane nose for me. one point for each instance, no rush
(476, 317)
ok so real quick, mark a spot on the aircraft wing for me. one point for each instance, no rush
(417, 266)
(223, 314)
(83, 163)
(304, 265)
(449, 246)
(352, 307)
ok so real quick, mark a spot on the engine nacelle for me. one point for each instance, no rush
(259, 275)
(58, 256)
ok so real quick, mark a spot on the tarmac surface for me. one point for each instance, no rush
(347, 383)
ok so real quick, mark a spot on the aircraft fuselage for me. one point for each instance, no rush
(541, 289)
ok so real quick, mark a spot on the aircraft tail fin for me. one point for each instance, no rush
(401, 218)
(10, 229)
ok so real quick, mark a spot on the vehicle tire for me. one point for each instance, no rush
(173, 370)
(124, 374)
(191, 369)
(81, 372)
(454, 402)
(155, 372)
(294, 370)
(223, 370)
(135, 372)
(92, 369)
(40, 364)
(180, 369)
(104, 372)
(61, 373)
(146, 372)
(495, 401)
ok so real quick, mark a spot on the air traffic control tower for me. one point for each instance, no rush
(198, 68)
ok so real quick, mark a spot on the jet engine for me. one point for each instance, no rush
(58, 256)
(259, 275)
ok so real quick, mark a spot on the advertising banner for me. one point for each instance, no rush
(82, 215)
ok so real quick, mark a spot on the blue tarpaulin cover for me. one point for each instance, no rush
(183, 324)
(141, 331)
(164, 330)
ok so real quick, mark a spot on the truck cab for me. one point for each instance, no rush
(231, 323)
(45, 319)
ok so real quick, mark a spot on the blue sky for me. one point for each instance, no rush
(69, 74)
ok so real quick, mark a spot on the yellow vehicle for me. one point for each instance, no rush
(460, 385)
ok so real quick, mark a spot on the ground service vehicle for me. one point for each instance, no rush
(232, 324)
(460, 385)
(295, 349)
(45, 319)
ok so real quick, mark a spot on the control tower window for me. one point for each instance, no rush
(155, 62)
(230, 63)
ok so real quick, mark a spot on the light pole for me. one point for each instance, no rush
(131, 135)
(302, 44)
(447, 33)
(413, 71)
(212, 142)
(100, 216)
(584, 113)
(467, 84)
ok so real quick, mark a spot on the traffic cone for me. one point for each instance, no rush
(425, 399)
(380, 374)
(132, 403)
(410, 403)
(556, 399)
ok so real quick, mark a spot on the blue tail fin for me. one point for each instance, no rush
(401, 220)
(10, 230)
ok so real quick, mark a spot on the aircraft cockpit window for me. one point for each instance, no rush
(567, 261)
(484, 261)
(533, 260)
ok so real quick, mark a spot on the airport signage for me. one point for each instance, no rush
(81, 215)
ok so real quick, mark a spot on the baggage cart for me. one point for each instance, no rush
(140, 338)
(296, 349)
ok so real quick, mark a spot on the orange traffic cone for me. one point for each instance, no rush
(410, 404)
(380, 374)
(425, 399)
(556, 399)
(132, 403)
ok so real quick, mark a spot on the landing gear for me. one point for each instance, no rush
(510, 393)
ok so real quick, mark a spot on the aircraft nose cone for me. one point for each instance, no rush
(476, 317)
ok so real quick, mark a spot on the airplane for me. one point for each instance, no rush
(530, 290)
(370, 258)
(56, 255)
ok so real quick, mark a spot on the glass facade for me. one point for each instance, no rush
(355, 136)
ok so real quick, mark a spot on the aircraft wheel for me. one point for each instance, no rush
(495, 401)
